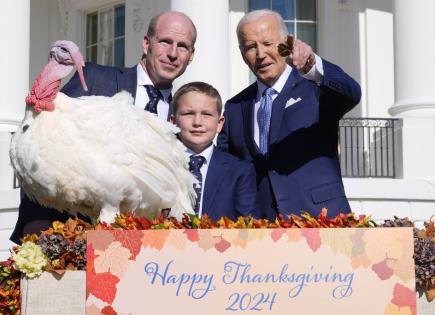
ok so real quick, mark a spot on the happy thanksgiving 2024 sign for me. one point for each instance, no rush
(243, 271)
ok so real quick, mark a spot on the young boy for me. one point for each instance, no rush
(227, 185)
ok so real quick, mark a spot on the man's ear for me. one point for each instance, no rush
(145, 45)
(191, 55)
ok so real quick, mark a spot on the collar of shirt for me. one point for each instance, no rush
(143, 79)
(278, 86)
(207, 153)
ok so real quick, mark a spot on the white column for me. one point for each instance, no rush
(14, 56)
(211, 60)
(414, 88)
(239, 73)
(414, 58)
(14, 82)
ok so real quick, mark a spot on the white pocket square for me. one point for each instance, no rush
(292, 101)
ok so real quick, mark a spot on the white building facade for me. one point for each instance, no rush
(384, 44)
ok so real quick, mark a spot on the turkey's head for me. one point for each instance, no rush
(63, 56)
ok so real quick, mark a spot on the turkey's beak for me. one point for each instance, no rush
(79, 63)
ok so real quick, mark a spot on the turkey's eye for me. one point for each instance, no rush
(25, 127)
(64, 49)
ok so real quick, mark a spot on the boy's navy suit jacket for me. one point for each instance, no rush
(229, 187)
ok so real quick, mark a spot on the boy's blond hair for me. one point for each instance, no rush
(199, 87)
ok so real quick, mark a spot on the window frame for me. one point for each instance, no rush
(296, 21)
(99, 10)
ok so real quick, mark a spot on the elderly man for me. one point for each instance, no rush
(287, 121)
(168, 48)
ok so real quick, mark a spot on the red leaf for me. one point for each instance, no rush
(313, 238)
(108, 310)
(130, 240)
(277, 233)
(102, 286)
(145, 223)
(403, 296)
(90, 279)
(90, 256)
(223, 245)
(192, 235)
(382, 270)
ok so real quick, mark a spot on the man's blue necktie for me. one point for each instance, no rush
(154, 96)
(263, 118)
(195, 164)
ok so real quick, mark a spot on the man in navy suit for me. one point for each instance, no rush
(286, 122)
(168, 48)
(226, 184)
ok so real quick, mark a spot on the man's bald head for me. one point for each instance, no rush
(171, 15)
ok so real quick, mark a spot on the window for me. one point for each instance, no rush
(105, 36)
(300, 16)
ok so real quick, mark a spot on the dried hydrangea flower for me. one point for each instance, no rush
(30, 260)
(53, 245)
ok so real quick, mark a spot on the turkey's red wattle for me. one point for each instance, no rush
(46, 86)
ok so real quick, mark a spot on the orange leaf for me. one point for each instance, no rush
(131, 240)
(155, 239)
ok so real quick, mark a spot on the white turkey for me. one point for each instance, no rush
(97, 155)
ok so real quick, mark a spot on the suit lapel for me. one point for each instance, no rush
(215, 175)
(279, 105)
(249, 119)
(170, 108)
(127, 80)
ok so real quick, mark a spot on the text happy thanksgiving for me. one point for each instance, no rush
(199, 285)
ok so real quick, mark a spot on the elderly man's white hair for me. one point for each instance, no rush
(258, 14)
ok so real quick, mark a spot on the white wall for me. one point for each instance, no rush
(379, 61)
(138, 13)
(43, 31)
(14, 62)
(338, 37)
(239, 71)
(384, 198)
(358, 36)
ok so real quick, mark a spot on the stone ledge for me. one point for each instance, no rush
(389, 189)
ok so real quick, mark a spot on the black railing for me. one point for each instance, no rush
(366, 147)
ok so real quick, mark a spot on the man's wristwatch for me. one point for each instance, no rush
(309, 64)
